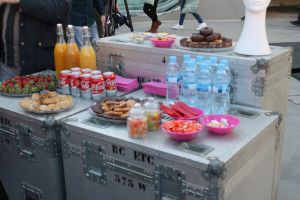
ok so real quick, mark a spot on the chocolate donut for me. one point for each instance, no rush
(204, 44)
(212, 45)
(219, 45)
(219, 35)
(197, 38)
(206, 31)
(211, 38)
(183, 40)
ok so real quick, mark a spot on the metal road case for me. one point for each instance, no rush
(102, 162)
(30, 151)
(257, 81)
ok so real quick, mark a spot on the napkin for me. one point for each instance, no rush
(158, 88)
(126, 84)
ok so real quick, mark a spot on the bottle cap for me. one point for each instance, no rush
(213, 59)
(172, 59)
(221, 66)
(193, 60)
(204, 66)
(200, 58)
(225, 62)
(207, 61)
(190, 64)
(186, 57)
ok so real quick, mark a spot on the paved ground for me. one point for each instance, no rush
(279, 30)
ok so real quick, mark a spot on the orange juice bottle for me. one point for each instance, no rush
(72, 50)
(59, 51)
(87, 53)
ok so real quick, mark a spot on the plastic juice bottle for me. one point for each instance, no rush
(72, 50)
(87, 53)
(59, 51)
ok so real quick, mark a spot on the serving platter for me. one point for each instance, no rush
(52, 111)
(177, 44)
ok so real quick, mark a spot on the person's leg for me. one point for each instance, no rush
(153, 11)
(146, 9)
(94, 32)
(182, 16)
(299, 18)
(198, 18)
(99, 23)
(78, 36)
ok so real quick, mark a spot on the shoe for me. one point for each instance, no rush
(295, 23)
(177, 27)
(152, 25)
(201, 25)
(155, 26)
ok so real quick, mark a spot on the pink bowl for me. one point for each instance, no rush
(182, 136)
(232, 121)
(162, 43)
(196, 110)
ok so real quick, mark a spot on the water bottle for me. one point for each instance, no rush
(204, 88)
(227, 69)
(214, 63)
(199, 60)
(220, 91)
(189, 85)
(173, 80)
(186, 58)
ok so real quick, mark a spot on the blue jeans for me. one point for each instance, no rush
(182, 16)
(78, 34)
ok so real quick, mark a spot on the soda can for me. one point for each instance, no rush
(110, 83)
(76, 69)
(75, 84)
(96, 72)
(86, 87)
(64, 81)
(86, 71)
(98, 87)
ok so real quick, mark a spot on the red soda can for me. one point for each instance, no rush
(76, 69)
(110, 83)
(96, 72)
(98, 87)
(86, 87)
(75, 84)
(86, 71)
(64, 81)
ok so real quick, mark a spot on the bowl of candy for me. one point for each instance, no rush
(182, 130)
(220, 123)
(182, 111)
(162, 41)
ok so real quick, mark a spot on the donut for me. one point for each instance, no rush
(183, 40)
(197, 38)
(198, 45)
(204, 44)
(218, 35)
(219, 44)
(212, 45)
(196, 33)
(206, 31)
(211, 38)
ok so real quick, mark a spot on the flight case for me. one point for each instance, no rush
(102, 162)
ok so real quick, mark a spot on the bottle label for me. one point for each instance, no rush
(190, 86)
(204, 88)
(220, 89)
(173, 79)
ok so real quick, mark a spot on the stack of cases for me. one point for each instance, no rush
(257, 81)
(102, 162)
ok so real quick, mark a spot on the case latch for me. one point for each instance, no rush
(169, 183)
(26, 144)
(30, 192)
(94, 167)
